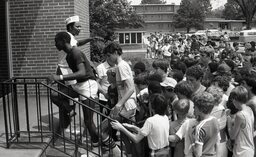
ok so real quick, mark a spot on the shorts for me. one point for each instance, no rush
(164, 152)
(88, 88)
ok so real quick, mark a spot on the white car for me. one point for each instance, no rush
(200, 32)
(214, 34)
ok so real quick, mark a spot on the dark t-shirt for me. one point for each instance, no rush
(113, 96)
(76, 57)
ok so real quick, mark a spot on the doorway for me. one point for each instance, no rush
(4, 59)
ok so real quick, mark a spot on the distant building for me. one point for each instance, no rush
(222, 24)
(159, 18)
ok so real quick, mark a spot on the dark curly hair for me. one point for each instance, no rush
(195, 71)
(223, 82)
(113, 47)
(159, 103)
(184, 88)
(204, 102)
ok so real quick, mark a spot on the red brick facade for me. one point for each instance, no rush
(33, 25)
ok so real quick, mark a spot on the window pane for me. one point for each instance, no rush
(139, 37)
(121, 38)
(127, 38)
(133, 38)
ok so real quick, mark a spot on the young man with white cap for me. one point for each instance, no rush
(73, 29)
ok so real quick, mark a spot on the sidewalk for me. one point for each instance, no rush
(135, 51)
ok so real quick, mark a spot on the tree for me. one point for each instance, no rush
(248, 8)
(108, 15)
(105, 17)
(232, 11)
(192, 14)
(217, 13)
(153, 1)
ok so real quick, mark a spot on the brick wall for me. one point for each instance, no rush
(82, 9)
(33, 25)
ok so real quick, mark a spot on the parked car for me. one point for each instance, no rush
(214, 34)
(247, 35)
(200, 32)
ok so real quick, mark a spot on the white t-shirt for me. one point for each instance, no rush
(186, 132)
(73, 41)
(124, 72)
(156, 129)
(102, 74)
(165, 50)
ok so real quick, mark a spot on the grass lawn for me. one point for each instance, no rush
(135, 57)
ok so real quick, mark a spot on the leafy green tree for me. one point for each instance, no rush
(108, 15)
(248, 8)
(191, 14)
(105, 17)
(232, 11)
(217, 13)
(153, 1)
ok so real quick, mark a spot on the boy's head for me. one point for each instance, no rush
(184, 89)
(222, 82)
(194, 75)
(155, 77)
(111, 75)
(73, 25)
(161, 66)
(61, 39)
(139, 67)
(217, 93)
(203, 104)
(112, 51)
(239, 94)
(154, 87)
(181, 106)
(178, 75)
(141, 80)
(159, 104)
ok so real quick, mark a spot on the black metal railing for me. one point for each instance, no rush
(30, 117)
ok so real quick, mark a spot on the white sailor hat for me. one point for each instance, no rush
(72, 19)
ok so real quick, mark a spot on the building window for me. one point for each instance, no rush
(130, 38)
(133, 38)
(139, 37)
(127, 38)
(121, 38)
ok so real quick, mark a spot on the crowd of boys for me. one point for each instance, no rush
(199, 101)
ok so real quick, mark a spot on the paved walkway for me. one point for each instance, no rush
(136, 50)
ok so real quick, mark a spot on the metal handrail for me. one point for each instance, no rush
(11, 113)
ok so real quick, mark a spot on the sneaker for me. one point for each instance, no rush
(73, 131)
(115, 152)
(89, 155)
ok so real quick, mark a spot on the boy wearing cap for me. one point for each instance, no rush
(73, 28)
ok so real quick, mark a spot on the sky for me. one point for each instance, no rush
(215, 3)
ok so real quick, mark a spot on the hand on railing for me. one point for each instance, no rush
(53, 78)
(116, 125)
(114, 113)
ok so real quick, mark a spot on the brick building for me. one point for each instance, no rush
(27, 46)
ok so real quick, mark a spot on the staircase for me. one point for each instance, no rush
(31, 122)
